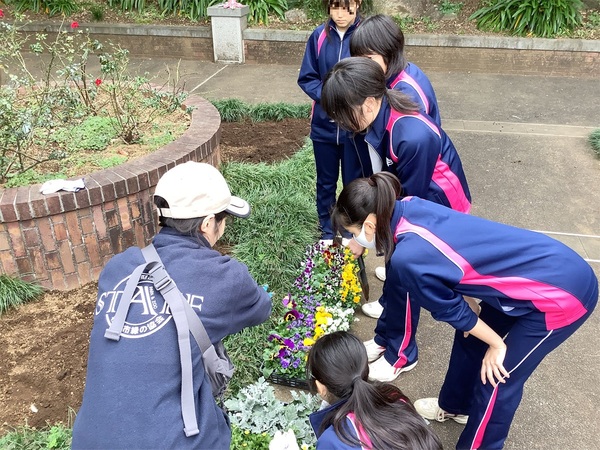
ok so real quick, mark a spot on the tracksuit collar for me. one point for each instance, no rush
(376, 131)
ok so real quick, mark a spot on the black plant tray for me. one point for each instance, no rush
(288, 381)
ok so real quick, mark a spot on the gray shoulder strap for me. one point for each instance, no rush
(173, 297)
(196, 326)
(116, 326)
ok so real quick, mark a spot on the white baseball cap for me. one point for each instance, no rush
(194, 189)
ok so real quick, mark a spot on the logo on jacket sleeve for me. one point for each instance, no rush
(148, 311)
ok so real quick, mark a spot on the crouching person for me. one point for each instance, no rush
(136, 391)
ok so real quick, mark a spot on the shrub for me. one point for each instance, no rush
(317, 9)
(45, 119)
(51, 7)
(544, 18)
(261, 9)
(15, 292)
(594, 141)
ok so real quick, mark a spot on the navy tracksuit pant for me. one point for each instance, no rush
(490, 409)
(397, 326)
(328, 158)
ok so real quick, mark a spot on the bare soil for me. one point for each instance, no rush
(44, 344)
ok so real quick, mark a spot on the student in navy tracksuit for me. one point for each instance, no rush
(361, 415)
(401, 141)
(534, 291)
(327, 45)
(380, 38)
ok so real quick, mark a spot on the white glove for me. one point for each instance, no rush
(284, 441)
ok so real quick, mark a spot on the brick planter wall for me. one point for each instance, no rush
(63, 240)
(145, 41)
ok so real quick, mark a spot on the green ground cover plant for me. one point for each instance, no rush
(15, 292)
(594, 141)
(271, 241)
(56, 437)
(235, 110)
(449, 7)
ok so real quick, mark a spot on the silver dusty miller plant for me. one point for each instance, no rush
(256, 409)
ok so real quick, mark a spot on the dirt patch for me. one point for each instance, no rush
(44, 345)
(266, 142)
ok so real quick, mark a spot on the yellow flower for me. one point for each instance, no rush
(247, 432)
(319, 332)
(304, 446)
(308, 342)
(321, 316)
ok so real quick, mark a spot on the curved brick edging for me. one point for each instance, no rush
(63, 240)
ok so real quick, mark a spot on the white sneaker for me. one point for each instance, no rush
(383, 371)
(380, 273)
(372, 309)
(345, 242)
(429, 408)
(374, 350)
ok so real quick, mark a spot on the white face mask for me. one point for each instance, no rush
(362, 238)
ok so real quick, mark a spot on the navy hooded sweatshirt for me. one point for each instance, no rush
(132, 397)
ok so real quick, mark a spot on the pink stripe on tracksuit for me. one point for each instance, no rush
(426, 161)
(535, 291)
(403, 77)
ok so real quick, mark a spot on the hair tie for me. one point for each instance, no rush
(355, 379)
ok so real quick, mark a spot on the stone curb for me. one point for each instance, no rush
(430, 40)
(258, 34)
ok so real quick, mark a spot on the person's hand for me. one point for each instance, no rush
(356, 249)
(474, 305)
(492, 368)
(284, 441)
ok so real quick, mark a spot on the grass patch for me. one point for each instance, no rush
(235, 110)
(57, 437)
(594, 141)
(271, 242)
(15, 292)
(94, 133)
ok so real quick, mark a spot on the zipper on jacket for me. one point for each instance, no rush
(337, 138)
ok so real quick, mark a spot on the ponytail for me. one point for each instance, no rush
(385, 415)
(400, 102)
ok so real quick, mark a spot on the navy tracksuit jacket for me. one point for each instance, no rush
(534, 290)
(413, 82)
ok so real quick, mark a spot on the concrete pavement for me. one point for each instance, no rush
(522, 140)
